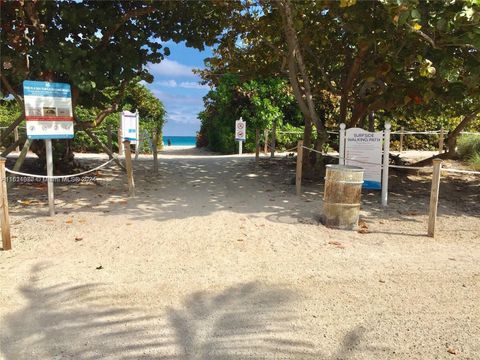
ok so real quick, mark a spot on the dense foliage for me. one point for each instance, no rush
(259, 102)
(345, 60)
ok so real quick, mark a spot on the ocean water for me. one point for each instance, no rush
(180, 140)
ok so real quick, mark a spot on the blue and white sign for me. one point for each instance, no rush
(48, 110)
(130, 126)
(364, 149)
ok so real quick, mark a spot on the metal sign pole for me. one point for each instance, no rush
(240, 147)
(51, 196)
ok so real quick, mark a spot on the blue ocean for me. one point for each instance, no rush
(180, 140)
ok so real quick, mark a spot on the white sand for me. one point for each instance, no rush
(218, 259)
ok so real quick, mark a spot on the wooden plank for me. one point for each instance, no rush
(298, 173)
(432, 215)
(4, 216)
(129, 167)
(441, 140)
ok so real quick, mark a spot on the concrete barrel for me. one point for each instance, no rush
(342, 194)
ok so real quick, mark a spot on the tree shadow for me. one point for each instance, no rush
(247, 321)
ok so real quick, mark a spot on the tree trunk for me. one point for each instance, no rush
(452, 136)
(297, 71)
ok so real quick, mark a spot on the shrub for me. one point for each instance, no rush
(469, 149)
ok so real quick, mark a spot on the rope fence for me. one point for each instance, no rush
(426, 169)
(57, 177)
(436, 171)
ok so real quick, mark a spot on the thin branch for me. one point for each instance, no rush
(127, 16)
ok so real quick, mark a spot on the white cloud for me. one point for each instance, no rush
(184, 84)
(183, 117)
(171, 68)
(168, 83)
(192, 85)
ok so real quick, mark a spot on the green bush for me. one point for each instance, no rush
(468, 147)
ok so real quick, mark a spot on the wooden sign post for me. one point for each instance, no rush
(432, 215)
(4, 216)
(129, 167)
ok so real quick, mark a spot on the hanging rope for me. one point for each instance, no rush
(60, 176)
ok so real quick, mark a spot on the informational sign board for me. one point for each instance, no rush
(130, 126)
(364, 149)
(48, 110)
(240, 130)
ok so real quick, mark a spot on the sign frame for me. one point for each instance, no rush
(130, 126)
(379, 161)
(48, 110)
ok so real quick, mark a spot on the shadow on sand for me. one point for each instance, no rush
(247, 321)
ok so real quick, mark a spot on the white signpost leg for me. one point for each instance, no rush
(51, 197)
(341, 150)
(240, 147)
(386, 160)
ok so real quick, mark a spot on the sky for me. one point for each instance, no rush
(179, 89)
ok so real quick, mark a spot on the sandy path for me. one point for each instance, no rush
(217, 259)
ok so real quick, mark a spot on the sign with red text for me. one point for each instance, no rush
(48, 110)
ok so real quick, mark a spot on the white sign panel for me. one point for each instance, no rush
(48, 110)
(240, 130)
(130, 126)
(364, 149)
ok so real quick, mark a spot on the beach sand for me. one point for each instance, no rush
(216, 258)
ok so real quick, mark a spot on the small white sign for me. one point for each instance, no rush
(48, 110)
(130, 126)
(364, 149)
(240, 130)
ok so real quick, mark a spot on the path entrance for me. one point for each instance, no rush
(218, 259)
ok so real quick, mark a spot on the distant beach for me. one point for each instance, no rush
(180, 140)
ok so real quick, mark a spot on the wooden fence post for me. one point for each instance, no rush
(298, 173)
(402, 130)
(109, 137)
(274, 138)
(432, 215)
(15, 136)
(265, 144)
(441, 140)
(129, 167)
(154, 150)
(257, 145)
(120, 143)
(4, 216)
